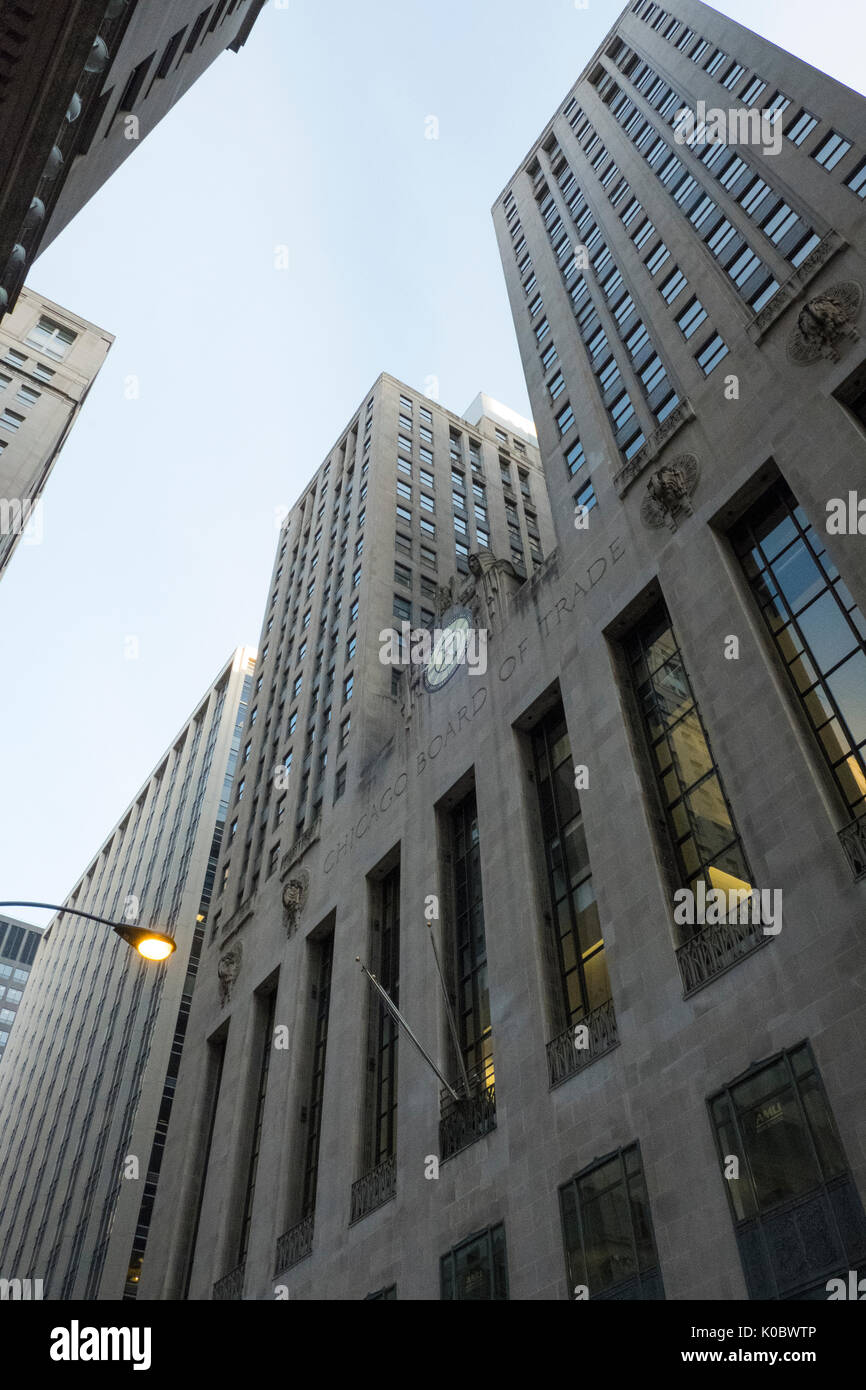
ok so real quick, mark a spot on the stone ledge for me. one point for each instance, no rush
(650, 451)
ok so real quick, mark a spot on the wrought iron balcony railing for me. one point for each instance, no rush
(853, 842)
(714, 949)
(295, 1244)
(466, 1119)
(374, 1188)
(231, 1286)
(567, 1054)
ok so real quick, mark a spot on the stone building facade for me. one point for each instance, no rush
(49, 359)
(624, 1085)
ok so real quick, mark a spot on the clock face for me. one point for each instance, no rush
(448, 652)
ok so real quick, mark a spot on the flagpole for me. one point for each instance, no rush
(396, 1014)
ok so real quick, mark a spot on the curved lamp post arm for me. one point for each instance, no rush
(153, 945)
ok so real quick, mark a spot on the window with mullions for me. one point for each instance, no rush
(386, 1033)
(473, 1002)
(216, 1051)
(476, 1269)
(575, 458)
(586, 498)
(267, 1038)
(798, 1217)
(580, 958)
(607, 1231)
(817, 628)
(802, 126)
(832, 150)
(325, 951)
(703, 836)
(377, 1183)
(857, 180)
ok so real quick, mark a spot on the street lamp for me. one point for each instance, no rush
(150, 944)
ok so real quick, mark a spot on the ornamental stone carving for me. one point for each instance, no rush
(669, 492)
(295, 891)
(484, 591)
(297, 851)
(824, 321)
(228, 971)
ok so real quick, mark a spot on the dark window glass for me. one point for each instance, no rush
(607, 1231)
(267, 1044)
(476, 1270)
(473, 1002)
(317, 1081)
(797, 1214)
(385, 1112)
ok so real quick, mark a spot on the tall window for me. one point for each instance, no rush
(255, 1146)
(582, 969)
(467, 1113)
(216, 1055)
(704, 839)
(377, 1184)
(473, 1000)
(798, 1217)
(476, 1269)
(818, 630)
(607, 1231)
(325, 950)
(385, 1102)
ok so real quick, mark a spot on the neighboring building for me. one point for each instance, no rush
(80, 85)
(667, 710)
(43, 51)
(19, 942)
(383, 536)
(87, 1084)
(49, 359)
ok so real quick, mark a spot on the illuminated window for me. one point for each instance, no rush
(581, 967)
(817, 629)
(704, 839)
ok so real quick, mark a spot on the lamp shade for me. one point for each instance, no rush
(53, 164)
(153, 945)
(98, 56)
(34, 215)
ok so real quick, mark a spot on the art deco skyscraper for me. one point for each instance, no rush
(640, 1094)
(417, 515)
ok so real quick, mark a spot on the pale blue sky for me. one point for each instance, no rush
(159, 513)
